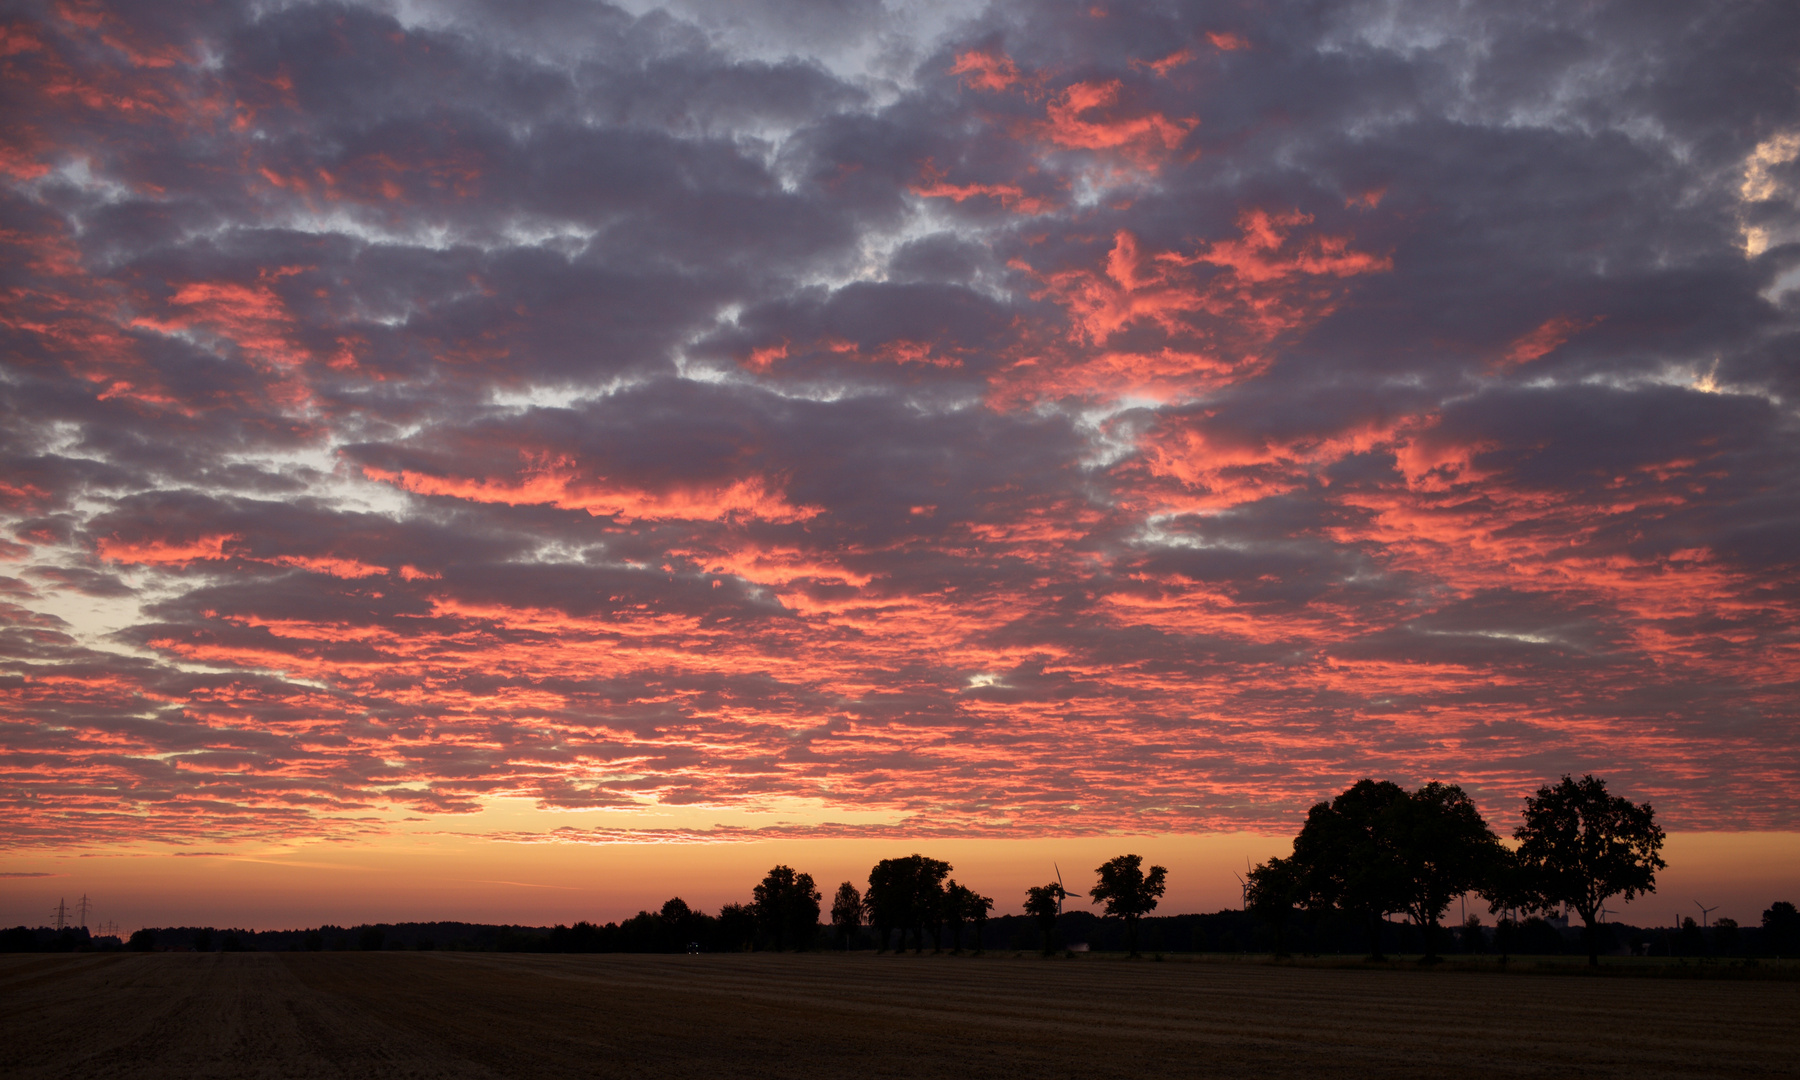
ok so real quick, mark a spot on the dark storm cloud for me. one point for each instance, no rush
(891, 405)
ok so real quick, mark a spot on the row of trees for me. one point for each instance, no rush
(915, 895)
(1378, 849)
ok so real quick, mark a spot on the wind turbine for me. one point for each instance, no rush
(1704, 912)
(1060, 891)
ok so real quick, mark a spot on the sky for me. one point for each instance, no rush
(520, 460)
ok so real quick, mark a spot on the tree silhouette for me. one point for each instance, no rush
(1580, 846)
(1344, 857)
(962, 905)
(1781, 928)
(1508, 888)
(906, 894)
(1271, 892)
(1725, 936)
(1128, 892)
(1044, 903)
(737, 926)
(787, 907)
(1693, 939)
(977, 908)
(1443, 849)
(677, 925)
(1471, 936)
(846, 912)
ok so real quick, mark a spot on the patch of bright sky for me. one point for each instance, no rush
(878, 54)
(78, 173)
(1785, 282)
(522, 814)
(558, 395)
(1153, 533)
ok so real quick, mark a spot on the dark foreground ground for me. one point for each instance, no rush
(824, 1015)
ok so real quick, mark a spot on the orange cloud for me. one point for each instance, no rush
(1547, 338)
(1011, 196)
(1214, 327)
(1088, 116)
(1166, 64)
(561, 487)
(164, 552)
(993, 71)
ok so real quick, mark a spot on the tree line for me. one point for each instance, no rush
(1228, 930)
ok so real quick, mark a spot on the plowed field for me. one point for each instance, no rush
(488, 1015)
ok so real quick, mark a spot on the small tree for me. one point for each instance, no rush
(1580, 846)
(1129, 892)
(1044, 903)
(1474, 938)
(847, 912)
(787, 907)
(1725, 937)
(1506, 936)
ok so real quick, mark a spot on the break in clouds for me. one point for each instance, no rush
(1046, 418)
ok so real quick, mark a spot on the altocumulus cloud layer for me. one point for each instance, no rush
(1050, 417)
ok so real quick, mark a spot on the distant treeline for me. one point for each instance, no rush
(1229, 931)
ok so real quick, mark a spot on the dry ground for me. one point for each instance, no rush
(485, 1015)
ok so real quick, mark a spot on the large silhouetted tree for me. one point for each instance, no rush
(906, 894)
(1129, 892)
(1444, 849)
(1580, 846)
(886, 902)
(1377, 849)
(846, 912)
(1044, 903)
(1344, 857)
(787, 907)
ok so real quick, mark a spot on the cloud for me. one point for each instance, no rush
(1023, 419)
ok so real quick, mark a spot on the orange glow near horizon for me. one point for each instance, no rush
(608, 489)
(470, 880)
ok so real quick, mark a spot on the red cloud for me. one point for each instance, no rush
(994, 71)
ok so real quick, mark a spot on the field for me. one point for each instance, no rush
(486, 1015)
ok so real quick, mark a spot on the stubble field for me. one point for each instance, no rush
(823, 1015)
